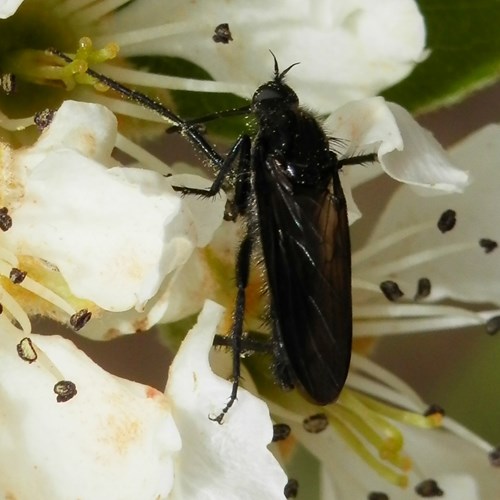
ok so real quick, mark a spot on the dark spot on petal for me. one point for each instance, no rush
(429, 488)
(493, 325)
(447, 221)
(280, 432)
(5, 219)
(423, 288)
(433, 410)
(26, 350)
(8, 83)
(65, 391)
(391, 290)
(17, 276)
(488, 245)
(80, 319)
(377, 495)
(1, 308)
(315, 423)
(494, 456)
(291, 488)
(222, 34)
(44, 118)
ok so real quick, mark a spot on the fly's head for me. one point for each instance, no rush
(275, 98)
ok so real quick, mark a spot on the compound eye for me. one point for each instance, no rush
(266, 93)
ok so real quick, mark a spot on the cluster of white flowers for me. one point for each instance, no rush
(119, 246)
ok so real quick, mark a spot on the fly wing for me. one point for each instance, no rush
(305, 241)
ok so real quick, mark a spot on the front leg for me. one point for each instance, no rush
(241, 148)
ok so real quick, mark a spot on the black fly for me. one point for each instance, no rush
(288, 190)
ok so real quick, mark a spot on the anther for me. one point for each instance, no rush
(377, 495)
(429, 488)
(222, 34)
(26, 350)
(44, 118)
(423, 288)
(5, 219)
(17, 276)
(280, 432)
(434, 409)
(494, 456)
(447, 221)
(291, 488)
(493, 325)
(80, 319)
(391, 290)
(315, 423)
(65, 391)
(487, 245)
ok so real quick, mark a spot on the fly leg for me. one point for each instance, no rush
(242, 268)
(242, 273)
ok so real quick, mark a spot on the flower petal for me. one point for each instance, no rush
(113, 439)
(406, 151)
(457, 266)
(114, 233)
(231, 460)
(343, 51)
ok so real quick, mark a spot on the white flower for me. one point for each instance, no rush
(406, 245)
(347, 49)
(112, 438)
(113, 233)
(234, 463)
(367, 446)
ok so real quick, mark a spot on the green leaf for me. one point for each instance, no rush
(463, 36)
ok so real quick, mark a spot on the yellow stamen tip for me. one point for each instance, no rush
(435, 420)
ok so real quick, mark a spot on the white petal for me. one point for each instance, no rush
(87, 128)
(114, 233)
(406, 151)
(347, 50)
(467, 272)
(9, 8)
(231, 460)
(113, 439)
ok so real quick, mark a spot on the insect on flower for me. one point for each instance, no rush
(288, 190)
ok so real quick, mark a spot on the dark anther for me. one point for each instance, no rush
(8, 83)
(487, 245)
(423, 288)
(44, 118)
(447, 221)
(26, 350)
(434, 409)
(494, 456)
(222, 34)
(315, 423)
(291, 488)
(80, 319)
(65, 390)
(17, 276)
(429, 488)
(1, 308)
(280, 432)
(391, 290)
(493, 325)
(378, 495)
(5, 219)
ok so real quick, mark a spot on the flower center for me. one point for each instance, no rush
(37, 25)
